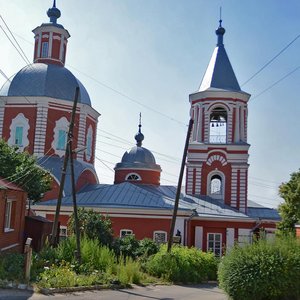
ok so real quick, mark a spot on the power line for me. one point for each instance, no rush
(15, 40)
(271, 60)
(275, 83)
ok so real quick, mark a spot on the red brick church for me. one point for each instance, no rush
(214, 211)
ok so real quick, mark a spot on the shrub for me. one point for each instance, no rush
(93, 225)
(147, 248)
(127, 246)
(12, 266)
(263, 270)
(183, 264)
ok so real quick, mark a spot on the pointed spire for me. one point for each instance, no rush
(220, 30)
(53, 13)
(139, 137)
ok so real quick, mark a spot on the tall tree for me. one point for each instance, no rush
(22, 169)
(290, 208)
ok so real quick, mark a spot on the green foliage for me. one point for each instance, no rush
(63, 275)
(93, 225)
(21, 168)
(12, 267)
(262, 271)
(128, 271)
(183, 264)
(290, 209)
(129, 246)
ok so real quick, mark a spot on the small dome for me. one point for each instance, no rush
(45, 80)
(138, 157)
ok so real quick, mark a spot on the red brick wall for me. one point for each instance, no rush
(17, 219)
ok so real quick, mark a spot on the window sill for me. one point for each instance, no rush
(8, 230)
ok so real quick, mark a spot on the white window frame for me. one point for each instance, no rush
(19, 121)
(214, 248)
(63, 231)
(127, 232)
(160, 232)
(138, 177)
(8, 216)
(61, 124)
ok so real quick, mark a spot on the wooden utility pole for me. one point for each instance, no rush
(64, 170)
(77, 232)
(170, 241)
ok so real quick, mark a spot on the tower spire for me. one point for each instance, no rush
(53, 13)
(220, 30)
(139, 137)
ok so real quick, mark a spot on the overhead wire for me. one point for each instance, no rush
(271, 60)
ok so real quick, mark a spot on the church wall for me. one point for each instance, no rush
(11, 112)
(148, 176)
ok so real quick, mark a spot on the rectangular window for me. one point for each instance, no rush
(160, 237)
(8, 217)
(214, 243)
(125, 232)
(62, 140)
(45, 47)
(63, 232)
(19, 136)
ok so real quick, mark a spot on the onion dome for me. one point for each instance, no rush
(139, 162)
(53, 13)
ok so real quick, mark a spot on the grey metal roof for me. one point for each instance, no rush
(54, 166)
(127, 195)
(219, 73)
(47, 80)
(258, 211)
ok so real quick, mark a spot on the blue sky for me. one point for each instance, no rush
(155, 53)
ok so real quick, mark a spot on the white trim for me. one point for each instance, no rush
(9, 247)
(128, 232)
(19, 121)
(214, 241)
(208, 187)
(138, 177)
(160, 232)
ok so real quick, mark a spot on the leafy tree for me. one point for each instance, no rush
(290, 209)
(93, 225)
(22, 169)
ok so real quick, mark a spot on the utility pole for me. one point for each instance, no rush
(170, 241)
(64, 170)
(77, 232)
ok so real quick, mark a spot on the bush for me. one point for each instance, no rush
(263, 270)
(12, 266)
(93, 225)
(129, 246)
(183, 264)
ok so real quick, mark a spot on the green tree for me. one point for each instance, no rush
(93, 225)
(290, 208)
(21, 168)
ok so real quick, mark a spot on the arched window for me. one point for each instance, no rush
(60, 135)
(19, 132)
(133, 177)
(216, 185)
(218, 126)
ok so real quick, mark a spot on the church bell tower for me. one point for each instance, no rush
(217, 162)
